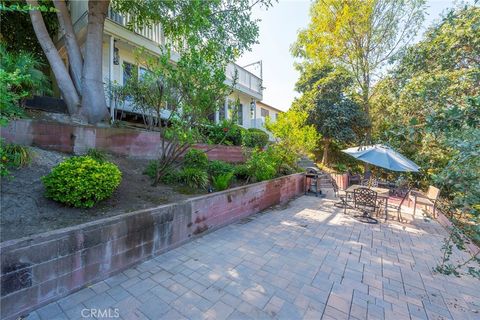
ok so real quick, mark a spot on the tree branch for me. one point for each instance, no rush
(73, 49)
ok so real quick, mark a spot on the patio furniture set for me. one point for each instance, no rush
(371, 197)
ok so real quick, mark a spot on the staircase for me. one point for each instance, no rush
(306, 162)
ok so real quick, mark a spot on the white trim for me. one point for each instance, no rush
(111, 46)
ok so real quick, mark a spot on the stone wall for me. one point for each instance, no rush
(39, 269)
(122, 141)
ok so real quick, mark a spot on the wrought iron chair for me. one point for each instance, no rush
(341, 194)
(365, 201)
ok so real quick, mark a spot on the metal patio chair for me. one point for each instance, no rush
(428, 199)
(365, 201)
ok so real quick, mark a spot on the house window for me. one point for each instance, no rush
(221, 113)
(240, 114)
(127, 71)
(264, 113)
(142, 72)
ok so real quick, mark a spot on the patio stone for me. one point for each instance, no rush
(305, 261)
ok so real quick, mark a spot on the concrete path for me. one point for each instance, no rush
(306, 260)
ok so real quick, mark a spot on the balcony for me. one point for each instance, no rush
(246, 81)
(153, 33)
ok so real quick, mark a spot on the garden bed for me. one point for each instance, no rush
(26, 211)
(42, 268)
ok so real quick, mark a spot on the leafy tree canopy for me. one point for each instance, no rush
(360, 36)
(328, 98)
(428, 107)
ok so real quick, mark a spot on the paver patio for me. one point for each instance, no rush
(305, 260)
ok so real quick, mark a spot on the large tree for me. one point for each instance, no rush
(428, 106)
(359, 35)
(440, 71)
(224, 28)
(326, 96)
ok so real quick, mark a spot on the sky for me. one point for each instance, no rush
(278, 30)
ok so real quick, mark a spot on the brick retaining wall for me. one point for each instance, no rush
(39, 269)
(122, 141)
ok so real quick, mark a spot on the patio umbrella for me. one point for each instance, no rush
(382, 156)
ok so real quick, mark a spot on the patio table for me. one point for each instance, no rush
(382, 195)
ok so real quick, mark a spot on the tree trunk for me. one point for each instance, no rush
(93, 98)
(74, 54)
(326, 145)
(65, 83)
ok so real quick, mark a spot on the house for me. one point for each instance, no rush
(262, 112)
(119, 44)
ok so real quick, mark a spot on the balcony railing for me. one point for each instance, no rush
(244, 78)
(153, 33)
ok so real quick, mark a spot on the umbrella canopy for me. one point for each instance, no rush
(382, 156)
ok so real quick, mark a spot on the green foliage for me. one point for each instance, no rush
(82, 181)
(224, 132)
(171, 176)
(13, 156)
(151, 169)
(193, 177)
(196, 159)
(359, 36)
(262, 165)
(96, 154)
(207, 35)
(222, 181)
(254, 138)
(327, 96)
(241, 171)
(427, 108)
(217, 167)
(294, 137)
(20, 78)
(458, 130)
(17, 31)
(457, 240)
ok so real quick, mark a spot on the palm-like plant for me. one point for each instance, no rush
(28, 70)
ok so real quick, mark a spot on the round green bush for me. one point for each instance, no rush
(82, 181)
(195, 159)
(254, 138)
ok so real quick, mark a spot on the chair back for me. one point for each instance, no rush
(334, 184)
(365, 198)
(433, 193)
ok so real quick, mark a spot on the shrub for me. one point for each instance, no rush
(96, 154)
(261, 165)
(151, 169)
(241, 171)
(170, 177)
(20, 77)
(82, 181)
(225, 133)
(254, 138)
(195, 159)
(193, 177)
(222, 182)
(217, 167)
(13, 156)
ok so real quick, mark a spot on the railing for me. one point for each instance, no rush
(244, 77)
(153, 33)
